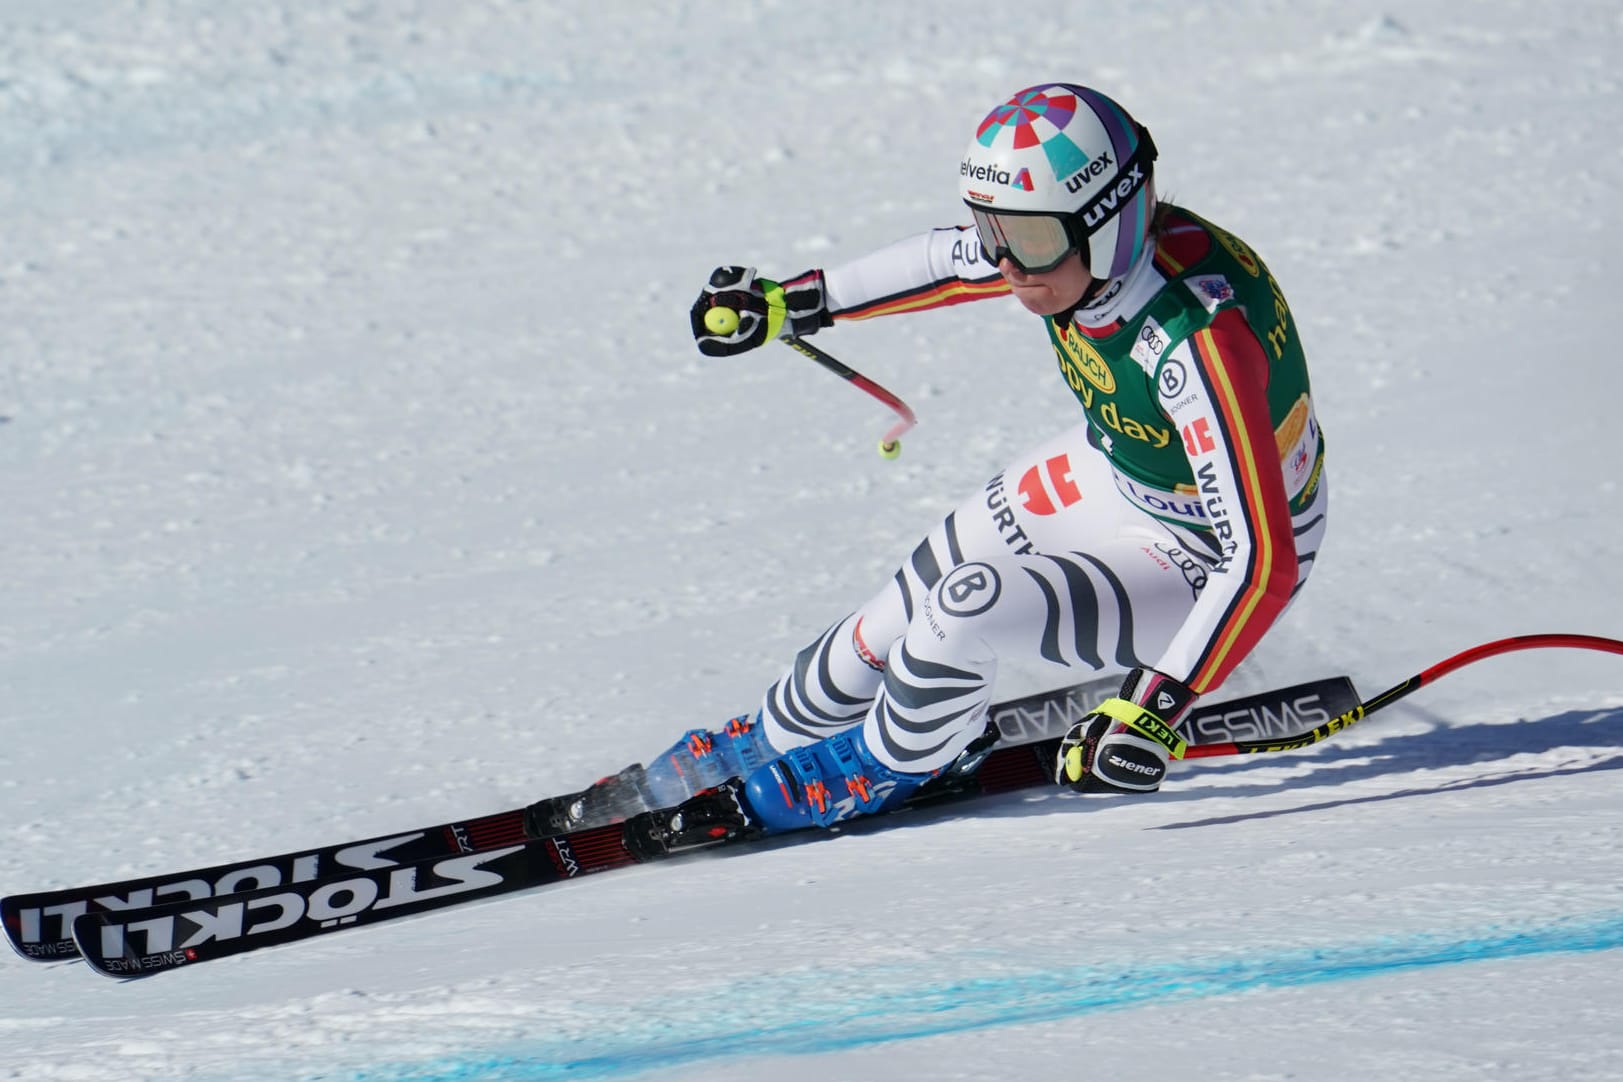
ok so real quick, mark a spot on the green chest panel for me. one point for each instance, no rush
(1204, 271)
(1116, 394)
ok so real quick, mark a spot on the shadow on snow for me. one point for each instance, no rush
(1440, 748)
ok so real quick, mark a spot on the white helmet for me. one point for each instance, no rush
(1060, 168)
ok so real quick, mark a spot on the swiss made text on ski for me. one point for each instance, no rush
(147, 925)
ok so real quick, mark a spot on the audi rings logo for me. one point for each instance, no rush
(1194, 572)
(970, 590)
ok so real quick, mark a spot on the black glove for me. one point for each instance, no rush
(1125, 743)
(765, 309)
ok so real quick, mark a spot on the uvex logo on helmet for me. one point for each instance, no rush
(993, 175)
(1108, 201)
(1086, 161)
(1088, 173)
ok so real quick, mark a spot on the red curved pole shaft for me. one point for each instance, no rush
(846, 372)
(1510, 645)
(1398, 691)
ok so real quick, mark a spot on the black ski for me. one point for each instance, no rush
(39, 925)
(128, 941)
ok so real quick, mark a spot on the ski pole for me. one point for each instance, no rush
(720, 319)
(1393, 694)
(890, 445)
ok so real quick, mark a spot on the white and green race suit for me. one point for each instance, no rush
(1168, 529)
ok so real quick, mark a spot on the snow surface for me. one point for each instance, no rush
(359, 473)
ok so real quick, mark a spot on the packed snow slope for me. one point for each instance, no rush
(360, 473)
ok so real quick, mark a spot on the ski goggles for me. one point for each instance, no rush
(1035, 243)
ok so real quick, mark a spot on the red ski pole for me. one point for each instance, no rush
(1414, 683)
(890, 444)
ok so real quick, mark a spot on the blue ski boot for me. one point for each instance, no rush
(700, 760)
(703, 760)
(824, 783)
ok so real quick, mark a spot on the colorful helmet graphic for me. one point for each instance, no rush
(1060, 168)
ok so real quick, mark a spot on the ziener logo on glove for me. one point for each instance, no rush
(1132, 767)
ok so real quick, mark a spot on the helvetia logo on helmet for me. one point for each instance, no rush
(994, 175)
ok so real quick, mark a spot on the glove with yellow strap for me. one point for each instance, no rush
(1124, 744)
(764, 309)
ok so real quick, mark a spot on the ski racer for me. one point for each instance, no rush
(1162, 534)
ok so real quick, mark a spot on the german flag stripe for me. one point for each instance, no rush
(1270, 570)
(934, 295)
(1166, 264)
(1180, 244)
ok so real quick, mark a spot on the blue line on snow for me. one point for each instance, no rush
(912, 1008)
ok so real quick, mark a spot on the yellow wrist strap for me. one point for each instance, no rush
(777, 308)
(1145, 723)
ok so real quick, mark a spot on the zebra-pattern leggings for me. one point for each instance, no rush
(1048, 564)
